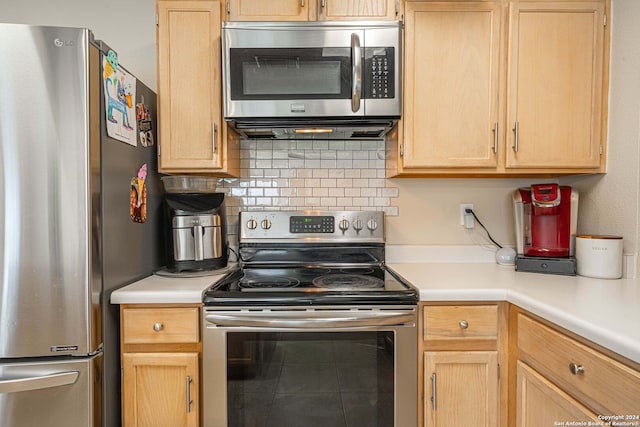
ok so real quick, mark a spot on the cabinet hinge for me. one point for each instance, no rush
(601, 149)
(401, 150)
(228, 8)
(604, 20)
(498, 371)
(157, 20)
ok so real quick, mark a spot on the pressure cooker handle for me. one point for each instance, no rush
(356, 73)
(311, 320)
(198, 248)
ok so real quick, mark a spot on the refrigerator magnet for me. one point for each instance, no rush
(138, 196)
(119, 96)
(145, 126)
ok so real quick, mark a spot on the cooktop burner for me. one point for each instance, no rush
(277, 283)
(347, 282)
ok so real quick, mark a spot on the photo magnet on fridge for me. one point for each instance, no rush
(138, 196)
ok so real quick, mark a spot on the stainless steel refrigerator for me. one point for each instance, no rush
(67, 238)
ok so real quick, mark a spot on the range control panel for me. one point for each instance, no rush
(351, 226)
(312, 224)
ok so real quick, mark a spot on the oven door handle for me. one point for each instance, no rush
(318, 320)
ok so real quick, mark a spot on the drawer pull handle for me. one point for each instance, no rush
(576, 369)
(158, 327)
(463, 324)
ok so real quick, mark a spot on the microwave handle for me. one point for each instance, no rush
(356, 73)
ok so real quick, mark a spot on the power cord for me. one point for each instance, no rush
(470, 211)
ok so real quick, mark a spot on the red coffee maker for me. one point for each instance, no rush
(546, 217)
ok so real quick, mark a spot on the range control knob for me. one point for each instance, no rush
(266, 224)
(252, 224)
(372, 224)
(343, 225)
(357, 224)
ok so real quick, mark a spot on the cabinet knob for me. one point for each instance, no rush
(158, 327)
(576, 369)
(463, 324)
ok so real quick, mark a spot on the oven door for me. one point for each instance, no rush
(304, 366)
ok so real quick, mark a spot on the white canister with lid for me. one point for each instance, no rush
(599, 256)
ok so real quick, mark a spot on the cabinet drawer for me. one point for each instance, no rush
(460, 322)
(160, 325)
(603, 384)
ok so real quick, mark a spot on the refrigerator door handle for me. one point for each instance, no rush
(36, 383)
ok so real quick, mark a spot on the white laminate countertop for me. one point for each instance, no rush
(157, 289)
(606, 312)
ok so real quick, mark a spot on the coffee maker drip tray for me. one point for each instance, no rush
(530, 264)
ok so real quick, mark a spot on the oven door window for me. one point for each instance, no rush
(289, 74)
(310, 379)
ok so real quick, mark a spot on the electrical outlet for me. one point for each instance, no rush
(464, 221)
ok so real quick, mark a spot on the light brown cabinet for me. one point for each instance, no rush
(502, 88)
(192, 135)
(161, 350)
(451, 73)
(461, 388)
(311, 10)
(460, 365)
(572, 380)
(160, 389)
(541, 403)
(555, 85)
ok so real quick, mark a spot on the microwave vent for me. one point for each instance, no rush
(259, 134)
(374, 133)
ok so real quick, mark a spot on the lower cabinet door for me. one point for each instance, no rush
(160, 390)
(461, 388)
(541, 403)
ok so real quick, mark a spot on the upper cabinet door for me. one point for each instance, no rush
(270, 10)
(189, 86)
(555, 84)
(356, 9)
(451, 85)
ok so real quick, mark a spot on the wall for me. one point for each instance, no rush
(427, 208)
(611, 202)
(126, 26)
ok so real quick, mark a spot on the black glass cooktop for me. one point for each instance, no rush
(311, 286)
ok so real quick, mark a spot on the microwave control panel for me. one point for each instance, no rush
(379, 73)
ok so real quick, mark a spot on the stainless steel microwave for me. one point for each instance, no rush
(280, 73)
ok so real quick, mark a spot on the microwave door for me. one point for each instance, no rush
(293, 74)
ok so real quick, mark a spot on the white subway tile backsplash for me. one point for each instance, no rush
(360, 164)
(344, 164)
(328, 182)
(353, 173)
(320, 173)
(336, 192)
(312, 182)
(320, 192)
(309, 174)
(368, 192)
(352, 192)
(329, 164)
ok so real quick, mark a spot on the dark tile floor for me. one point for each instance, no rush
(328, 380)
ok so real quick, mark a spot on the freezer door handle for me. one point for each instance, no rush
(36, 383)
